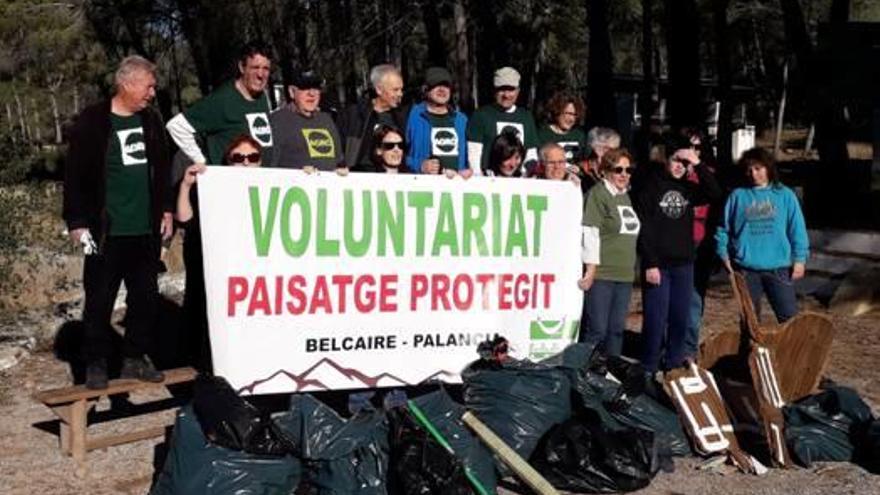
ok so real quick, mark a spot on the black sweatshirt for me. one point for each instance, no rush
(665, 206)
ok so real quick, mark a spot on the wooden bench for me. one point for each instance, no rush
(72, 406)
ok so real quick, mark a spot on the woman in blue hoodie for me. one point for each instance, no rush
(763, 235)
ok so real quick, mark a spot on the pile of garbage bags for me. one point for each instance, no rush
(584, 421)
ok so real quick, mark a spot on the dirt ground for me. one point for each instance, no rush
(30, 461)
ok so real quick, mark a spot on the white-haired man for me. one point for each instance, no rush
(382, 106)
(117, 204)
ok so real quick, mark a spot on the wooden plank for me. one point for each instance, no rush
(801, 348)
(703, 414)
(78, 432)
(769, 402)
(519, 466)
(117, 386)
(132, 436)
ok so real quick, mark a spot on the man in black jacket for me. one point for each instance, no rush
(117, 203)
(358, 121)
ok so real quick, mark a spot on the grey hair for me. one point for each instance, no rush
(130, 65)
(603, 136)
(379, 72)
(547, 148)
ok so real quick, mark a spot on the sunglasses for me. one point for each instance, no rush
(390, 145)
(242, 158)
(622, 170)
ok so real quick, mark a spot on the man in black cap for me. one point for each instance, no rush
(304, 135)
(435, 130)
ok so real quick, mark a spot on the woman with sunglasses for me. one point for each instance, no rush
(763, 235)
(389, 150)
(610, 231)
(243, 151)
(665, 201)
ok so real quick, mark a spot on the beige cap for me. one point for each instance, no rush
(506, 76)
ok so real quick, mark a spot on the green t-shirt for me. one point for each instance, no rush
(572, 141)
(225, 114)
(618, 227)
(128, 188)
(444, 140)
(490, 121)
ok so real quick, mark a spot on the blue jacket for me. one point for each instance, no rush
(763, 228)
(418, 137)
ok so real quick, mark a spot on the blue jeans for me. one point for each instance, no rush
(666, 310)
(608, 303)
(705, 265)
(778, 286)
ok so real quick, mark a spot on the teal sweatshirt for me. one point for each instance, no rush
(763, 228)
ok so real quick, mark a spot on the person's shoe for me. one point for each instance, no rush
(96, 375)
(140, 368)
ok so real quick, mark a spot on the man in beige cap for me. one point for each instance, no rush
(501, 116)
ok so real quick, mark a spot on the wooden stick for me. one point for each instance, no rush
(513, 460)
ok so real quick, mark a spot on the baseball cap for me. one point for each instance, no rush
(307, 79)
(506, 77)
(435, 76)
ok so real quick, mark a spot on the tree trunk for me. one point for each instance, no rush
(649, 84)
(56, 117)
(436, 46)
(463, 69)
(830, 136)
(600, 90)
(839, 11)
(486, 36)
(75, 100)
(725, 78)
(683, 47)
(25, 134)
(11, 120)
(35, 113)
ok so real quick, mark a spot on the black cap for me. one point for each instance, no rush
(307, 79)
(435, 76)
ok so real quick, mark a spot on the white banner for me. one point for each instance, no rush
(324, 282)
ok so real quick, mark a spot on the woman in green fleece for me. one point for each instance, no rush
(610, 231)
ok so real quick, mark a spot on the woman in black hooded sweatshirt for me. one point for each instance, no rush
(664, 200)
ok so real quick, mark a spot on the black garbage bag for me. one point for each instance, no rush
(195, 465)
(610, 402)
(623, 402)
(585, 455)
(340, 457)
(828, 426)
(230, 421)
(871, 450)
(420, 464)
(519, 400)
(445, 415)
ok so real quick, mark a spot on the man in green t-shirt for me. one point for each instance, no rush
(117, 204)
(237, 107)
(503, 115)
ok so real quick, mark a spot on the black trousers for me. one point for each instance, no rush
(133, 259)
(195, 303)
